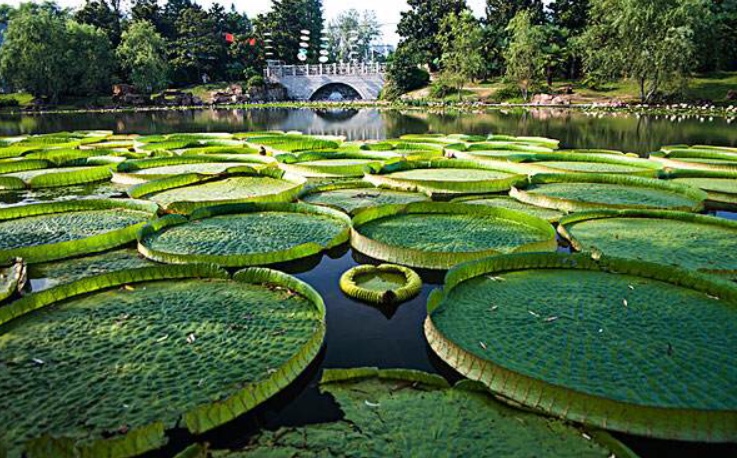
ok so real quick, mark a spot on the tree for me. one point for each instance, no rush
(420, 25)
(103, 15)
(496, 37)
(403, 75)
(142, 54)
(461, 39)
(717, 38)
(90, 60)
(148, 10)
(524, 56)
(364, 26)
(285, 22)
(196, 49)
(569, 19)
(651, 42)
(33, 56)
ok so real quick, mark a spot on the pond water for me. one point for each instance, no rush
(575, 129)
(359, 334)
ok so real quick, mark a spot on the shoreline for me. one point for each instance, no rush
(729, 112)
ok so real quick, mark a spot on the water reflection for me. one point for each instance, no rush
(574, 128)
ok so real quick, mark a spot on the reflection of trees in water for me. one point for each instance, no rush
(574, 128)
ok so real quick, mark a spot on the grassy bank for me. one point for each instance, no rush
(713, 88)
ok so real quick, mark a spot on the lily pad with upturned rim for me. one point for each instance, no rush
(583, 191)
(380, 406)
(552, 216)
(240, 235)
(688, 240)
(137, 352)
(355, 195)
(50, 231)
(445, 177)
(188, 192)
(434, 235)
(618, 344)
(383, 284)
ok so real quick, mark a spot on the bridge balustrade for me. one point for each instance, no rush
(280, 71)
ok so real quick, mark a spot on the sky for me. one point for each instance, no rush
(388, 11)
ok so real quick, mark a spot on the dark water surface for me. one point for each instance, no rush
(359, 334)
(575, 129)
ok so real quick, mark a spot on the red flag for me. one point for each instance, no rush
(229, 38)
(252, 42)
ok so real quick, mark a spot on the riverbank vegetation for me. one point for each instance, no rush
(593, 45)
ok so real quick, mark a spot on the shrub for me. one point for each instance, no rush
(256, 81)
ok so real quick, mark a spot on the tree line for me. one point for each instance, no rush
(54, 52)
(657, 43)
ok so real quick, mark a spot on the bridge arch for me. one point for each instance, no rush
(337, 91)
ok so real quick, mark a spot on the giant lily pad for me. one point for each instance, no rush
(240, 235)
(105, 189)
(354, 195)
(381, 406)
(330, 164)
(706, 158)
(443, 176)
(594, 163)
(51, 274)
(143, 170)
(688, 240)
(721, 187)
(507, 202)
(383, 284)
(441, 235)
(58, 230)
(185, 193)
(617, 344)
(582, 191)
(102, 366)
(63, 176)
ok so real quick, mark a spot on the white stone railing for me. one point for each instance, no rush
(278, 71)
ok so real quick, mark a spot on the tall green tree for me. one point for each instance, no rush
(142, 54)
(90, 60)
(33, 55)
(461, 39)
(717, 38)
(403, 75)
(651, 42)
(525, 59)
(420, 25)
(196, 50)
(499, 13)
(284, 23)
(147, 10)
(364, 26)
(569, 19)
(104, 15)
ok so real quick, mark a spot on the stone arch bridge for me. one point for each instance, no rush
(329, 81)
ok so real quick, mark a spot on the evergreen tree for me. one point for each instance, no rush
(197, 47)
(496, 36)
(525, 59)
(149, 11)
(104, 15)
(285, 22)
(569, 18)
(420, 26)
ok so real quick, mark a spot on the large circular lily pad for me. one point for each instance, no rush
(507, 202)
(58, 230)
(594, 163)
(186, 193)
(62, 176)
(688, 240)
(441, 235)
(239, 235)
(444, 176)
(102, 366)
(721, 187)
(383, 284)
(355, 195)
(139, 171)
(404, 413)
(617, 344)
(578, 192)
